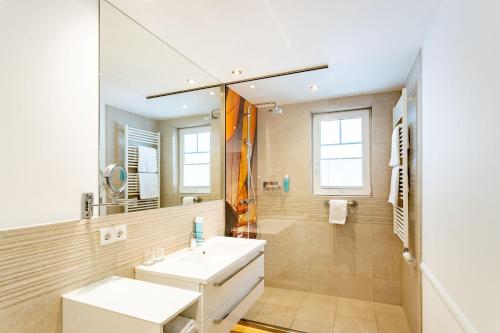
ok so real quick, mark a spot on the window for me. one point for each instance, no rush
(194, 159)
(341, 153)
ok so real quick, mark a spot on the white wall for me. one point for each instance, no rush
(438, 317)
(461, 161)
(49, 109)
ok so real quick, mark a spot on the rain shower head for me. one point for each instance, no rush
(276, 110)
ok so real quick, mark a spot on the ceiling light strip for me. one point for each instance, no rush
(298, 71)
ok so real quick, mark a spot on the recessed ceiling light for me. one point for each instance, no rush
(314, 87)
(252, 86)
(184, 106)
(191, 81)
(236, 71)
(206, 118)
(212, 93)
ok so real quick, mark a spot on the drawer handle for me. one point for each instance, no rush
(220, 283)
(221, 319)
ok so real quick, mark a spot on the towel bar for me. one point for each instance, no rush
(349, 203)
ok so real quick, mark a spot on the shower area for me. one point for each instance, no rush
(319, 277)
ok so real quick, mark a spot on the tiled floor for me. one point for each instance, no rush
(316, 313)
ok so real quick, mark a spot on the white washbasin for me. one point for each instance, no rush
(205, 262)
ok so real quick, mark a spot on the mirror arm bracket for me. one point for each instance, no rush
(87, 204)
(87, 209)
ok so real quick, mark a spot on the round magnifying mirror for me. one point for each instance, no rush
(115, 178)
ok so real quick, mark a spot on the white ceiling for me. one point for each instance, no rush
(194, 102)
(369, 45)
(135, 64)
(287, 89)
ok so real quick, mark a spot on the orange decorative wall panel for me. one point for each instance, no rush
(240, 216)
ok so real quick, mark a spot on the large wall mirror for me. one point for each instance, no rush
(170, 144)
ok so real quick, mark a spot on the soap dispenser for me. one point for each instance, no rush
(286, 184)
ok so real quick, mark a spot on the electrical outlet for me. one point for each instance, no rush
(120, 232)
(106, 235)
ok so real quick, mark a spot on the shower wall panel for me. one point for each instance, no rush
(361, 259)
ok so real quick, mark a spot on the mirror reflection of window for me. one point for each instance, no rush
(194, 159)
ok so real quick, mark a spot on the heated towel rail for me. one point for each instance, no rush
(133, 139)
(401, 214)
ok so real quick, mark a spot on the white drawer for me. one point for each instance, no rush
(224, 287)
(234, 309)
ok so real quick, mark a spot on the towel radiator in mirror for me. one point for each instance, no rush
(133, 139)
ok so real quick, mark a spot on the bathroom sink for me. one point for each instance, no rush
(213, 252)
(206, 261)
(228, 272)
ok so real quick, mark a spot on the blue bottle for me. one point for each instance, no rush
(286, 184)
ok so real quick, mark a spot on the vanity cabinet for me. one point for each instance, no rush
(124, 305)
(232, 281)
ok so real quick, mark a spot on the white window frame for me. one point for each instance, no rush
(192, 189)
(366, 147)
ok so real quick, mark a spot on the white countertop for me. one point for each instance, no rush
(142, 300)
(203, 264)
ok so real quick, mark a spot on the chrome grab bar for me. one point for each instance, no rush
(221, 319)
(349, 203)
(220, 283)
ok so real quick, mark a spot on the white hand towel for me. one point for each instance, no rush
(393, 195)
(338, 211)
(187, 200)
(147, 159)
(148, 185)
(395, 160)
(180, 325)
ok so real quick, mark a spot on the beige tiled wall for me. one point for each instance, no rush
(361, 259)
(412, 284)
(39, 264)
